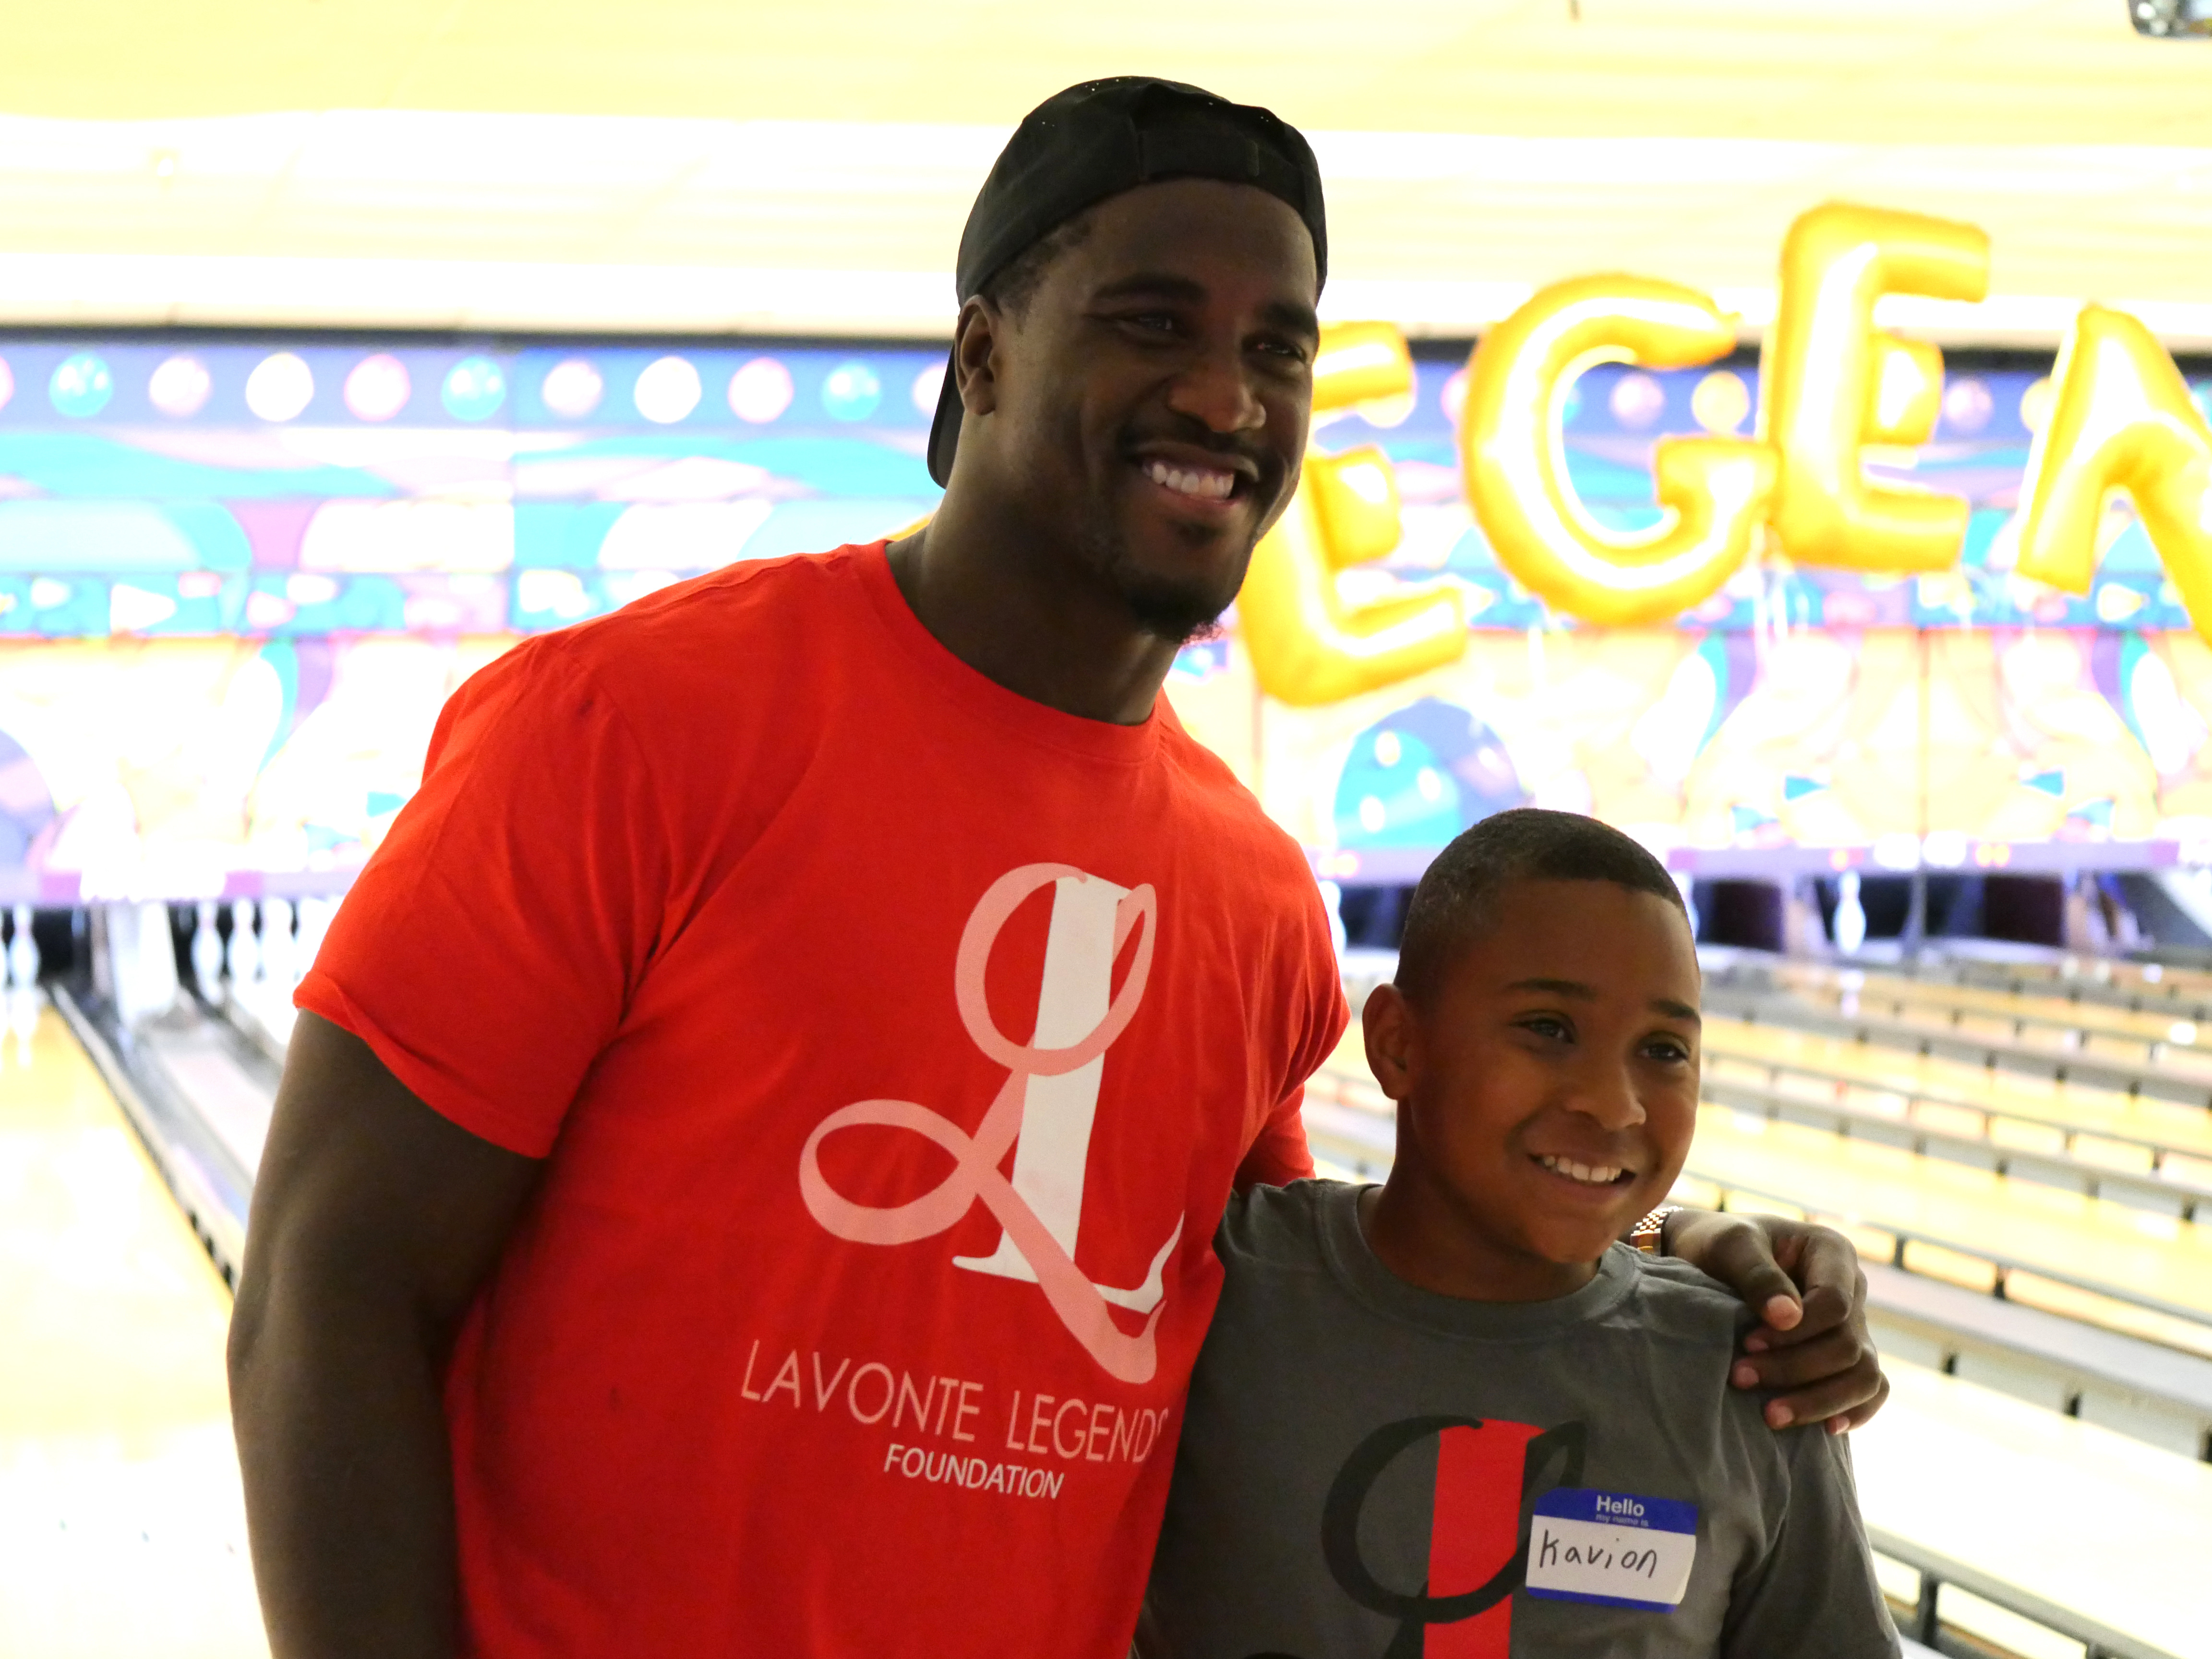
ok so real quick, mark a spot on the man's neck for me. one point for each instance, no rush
(1016, 619)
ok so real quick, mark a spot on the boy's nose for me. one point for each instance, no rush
(1608, 1094)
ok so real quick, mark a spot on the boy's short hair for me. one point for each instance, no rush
(1525, 843)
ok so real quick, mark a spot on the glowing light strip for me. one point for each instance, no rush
(218, 290)
(156, 289)
(643, 224)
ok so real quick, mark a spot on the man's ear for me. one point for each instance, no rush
(1393, 1039)
(974, 351)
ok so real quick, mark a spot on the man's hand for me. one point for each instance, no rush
(1805, 1283)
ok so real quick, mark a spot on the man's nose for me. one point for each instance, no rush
(1215, 388)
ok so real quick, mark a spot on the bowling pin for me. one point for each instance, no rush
(1332, 900)
(156, 990)
(315, 916)
(207, 952)
(277, 943)
(1689, 898)
(23, 951)
(243, 957)
(1850, 915)
(23, 1019)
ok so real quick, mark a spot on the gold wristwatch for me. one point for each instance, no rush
(1649, 1234)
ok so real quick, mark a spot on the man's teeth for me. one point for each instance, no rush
(1597, 1175)
(1207, 484)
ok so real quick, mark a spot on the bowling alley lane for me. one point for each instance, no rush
(2091, 1521)
(2171, 1125)
(122, 1528)
(2033, 1020)
(2137, 1255)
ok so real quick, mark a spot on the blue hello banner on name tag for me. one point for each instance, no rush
(1615, 1549)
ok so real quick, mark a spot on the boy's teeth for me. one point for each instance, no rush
(1205, 483)
(1601, 1174)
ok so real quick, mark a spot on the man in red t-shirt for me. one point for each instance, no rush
(744, 1178)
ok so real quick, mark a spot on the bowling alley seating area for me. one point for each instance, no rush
(2018, 1140)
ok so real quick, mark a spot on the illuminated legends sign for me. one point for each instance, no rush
(2121, 421)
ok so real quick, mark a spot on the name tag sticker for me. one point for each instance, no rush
(1612, 1548)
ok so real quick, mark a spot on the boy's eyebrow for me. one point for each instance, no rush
(1564, 987)
(1582, 992)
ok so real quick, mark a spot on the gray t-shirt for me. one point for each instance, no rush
(1365, 1469)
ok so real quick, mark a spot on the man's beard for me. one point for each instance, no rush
(1176, 611)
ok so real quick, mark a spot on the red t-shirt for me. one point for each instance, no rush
(896, 1041)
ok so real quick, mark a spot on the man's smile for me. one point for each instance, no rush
(1202, 483)
(1197, 481)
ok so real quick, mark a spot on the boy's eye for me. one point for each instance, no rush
(1669, 1050)
(1548, 1025)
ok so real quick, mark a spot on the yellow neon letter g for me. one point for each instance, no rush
(1714, 489)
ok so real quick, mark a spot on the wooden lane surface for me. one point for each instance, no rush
(2097, 1522)
(2134, 1254)
(2043, 1007)
(1349, 1058)
(122, 1528)
(2153, 982)
(2055, 1023)
(2173, 1125)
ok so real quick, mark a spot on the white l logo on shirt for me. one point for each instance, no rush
(1043, 1113)
(1055, 1148)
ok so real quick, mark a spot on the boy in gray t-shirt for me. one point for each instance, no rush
(1451, 1418)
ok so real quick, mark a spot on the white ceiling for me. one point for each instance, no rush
(659, 164)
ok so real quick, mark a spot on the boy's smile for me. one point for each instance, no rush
(1546, 1090)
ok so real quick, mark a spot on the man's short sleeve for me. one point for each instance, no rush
(490, 948)
(1278, 1154)
(1814, 1592)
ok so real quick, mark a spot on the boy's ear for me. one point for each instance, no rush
(1388, 1024)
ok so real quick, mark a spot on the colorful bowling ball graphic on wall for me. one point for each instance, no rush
(474, 389)
(851, 392)
(571, 389)
(180, 387)
(377, 388)
(1420, 776)
(80, 385)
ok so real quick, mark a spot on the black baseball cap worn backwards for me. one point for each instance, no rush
(1096, 139)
